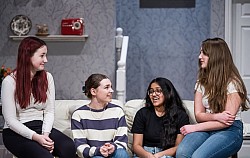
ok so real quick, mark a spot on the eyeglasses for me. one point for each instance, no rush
(157, 91)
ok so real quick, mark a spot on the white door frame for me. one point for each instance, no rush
(229, 24)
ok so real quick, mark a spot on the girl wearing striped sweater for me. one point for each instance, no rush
(99, 128)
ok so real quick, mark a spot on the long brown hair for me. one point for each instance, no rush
(220, 71)
(38, 86)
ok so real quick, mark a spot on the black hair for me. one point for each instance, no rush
(172, 104)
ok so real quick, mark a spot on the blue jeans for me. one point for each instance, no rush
(214, 144)
(154, 150)
(119, 153)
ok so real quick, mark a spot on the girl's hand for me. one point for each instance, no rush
(50, 143)
(225, 117)
(110, 147)
(44, 140)
(104, 151)
(152, 156)
(187, 129)
(158, 155)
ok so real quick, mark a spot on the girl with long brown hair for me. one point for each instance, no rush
(220, 97)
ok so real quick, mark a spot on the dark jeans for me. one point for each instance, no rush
(22, 147)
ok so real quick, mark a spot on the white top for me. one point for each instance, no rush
(230, 89)
(14, 116)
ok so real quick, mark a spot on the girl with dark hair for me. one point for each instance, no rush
(220, 96)
(28, 98)
(99, 128)
(156, 127)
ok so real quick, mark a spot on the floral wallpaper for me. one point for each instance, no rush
(163, 42)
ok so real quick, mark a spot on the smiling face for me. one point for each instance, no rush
(104, 92)
(38, 59)
(156, 95)
(203, 58)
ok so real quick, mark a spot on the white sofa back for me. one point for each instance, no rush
(63, 111)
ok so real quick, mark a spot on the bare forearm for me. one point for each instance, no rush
(210, 126)
(203, 117)
(224, 117)
(140, 152)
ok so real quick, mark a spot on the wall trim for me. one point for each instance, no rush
(228, 23)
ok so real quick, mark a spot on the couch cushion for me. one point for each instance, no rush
(189, 105)
(130, 109)
(63, 110)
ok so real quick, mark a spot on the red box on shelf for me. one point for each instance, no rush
(73, 26)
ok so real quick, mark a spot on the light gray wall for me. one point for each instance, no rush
(163, 42)
(69, 62)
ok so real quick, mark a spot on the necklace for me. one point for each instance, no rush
(159, 113)
(97, 114)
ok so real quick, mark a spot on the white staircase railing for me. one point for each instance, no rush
(121, 44)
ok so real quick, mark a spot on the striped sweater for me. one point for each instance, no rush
(92, 128)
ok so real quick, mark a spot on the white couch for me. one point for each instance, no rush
(64, 109)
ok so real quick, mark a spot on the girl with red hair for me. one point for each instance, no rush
(28, 98)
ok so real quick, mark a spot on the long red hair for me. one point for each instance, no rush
(38, 86)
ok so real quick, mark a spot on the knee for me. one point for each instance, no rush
(68, 145)
(182, 152)
(67, 150)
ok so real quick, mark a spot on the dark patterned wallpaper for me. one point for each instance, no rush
(165, 42)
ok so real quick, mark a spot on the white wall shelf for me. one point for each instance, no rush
(55, 37)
